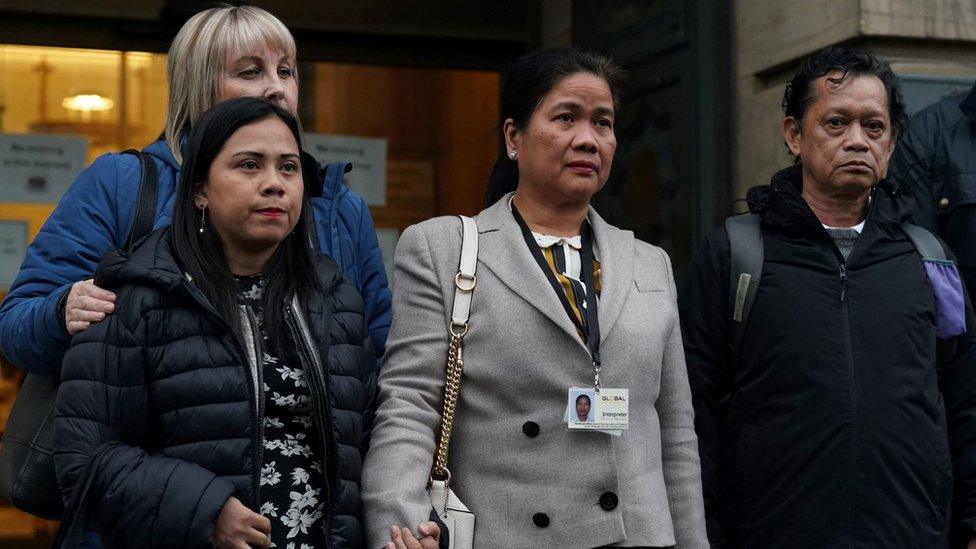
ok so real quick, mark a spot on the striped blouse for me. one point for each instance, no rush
(563, 256)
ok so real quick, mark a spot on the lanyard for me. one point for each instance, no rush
(591, 328)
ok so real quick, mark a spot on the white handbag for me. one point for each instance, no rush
(458, 518)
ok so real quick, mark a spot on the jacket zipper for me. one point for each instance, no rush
(255, 361)
(849, 344)
(317, 377)
(246, 349)
(843, 283)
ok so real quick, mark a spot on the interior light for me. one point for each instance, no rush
(87, 102)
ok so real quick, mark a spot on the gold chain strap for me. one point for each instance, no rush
(452, 388)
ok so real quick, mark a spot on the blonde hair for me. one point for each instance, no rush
(198, 57)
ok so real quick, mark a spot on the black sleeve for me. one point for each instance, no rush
(136, 498)
(957, 383)
(444, 542)
(703, 306)
(369, 408)
(912, 168)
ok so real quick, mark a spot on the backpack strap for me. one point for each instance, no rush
(145, 211)
(926, 244)
(745, 269)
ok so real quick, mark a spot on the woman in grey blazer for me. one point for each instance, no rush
(519, 462)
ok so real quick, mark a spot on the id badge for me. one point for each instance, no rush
(604, 410)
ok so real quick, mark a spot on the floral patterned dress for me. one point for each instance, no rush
(292, 481)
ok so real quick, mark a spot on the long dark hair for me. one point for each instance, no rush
(290, 270)
(524, 87)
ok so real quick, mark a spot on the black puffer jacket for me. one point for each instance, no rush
(934, 165)
(158, 405)
(830, 430)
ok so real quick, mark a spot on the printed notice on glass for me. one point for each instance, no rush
(368, 158)
(39, 168)
(13, 248)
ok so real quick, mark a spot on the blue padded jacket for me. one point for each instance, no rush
(95, 216)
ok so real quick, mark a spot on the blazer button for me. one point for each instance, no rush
(531, 429)
(541, 520)
(944, 203)
(609, 501)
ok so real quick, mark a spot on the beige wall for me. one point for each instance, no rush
(935, 37)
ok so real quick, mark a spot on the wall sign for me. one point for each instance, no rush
(13, 248)
(368, 158)
(39, 168)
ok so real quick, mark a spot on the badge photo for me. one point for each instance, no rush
(605, 410)
(581, 406)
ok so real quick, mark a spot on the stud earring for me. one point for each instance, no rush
(203, 219)
(513, 155)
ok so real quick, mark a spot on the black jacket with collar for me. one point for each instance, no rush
(830, 428)
(158, 403)
(934, 165)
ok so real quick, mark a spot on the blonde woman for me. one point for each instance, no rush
(220, 53)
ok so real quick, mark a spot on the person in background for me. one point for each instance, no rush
(831, 420)
(934, 166)
(227, 401)
(220, 53)
(593, 304)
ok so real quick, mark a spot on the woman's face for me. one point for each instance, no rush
(582, 408)
(263, 73)
(567, 147)
(253, 193)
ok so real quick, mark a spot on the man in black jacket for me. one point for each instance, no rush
(934, 166)
(830, 422)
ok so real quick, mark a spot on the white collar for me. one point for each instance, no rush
(859, 227)
(545, 240)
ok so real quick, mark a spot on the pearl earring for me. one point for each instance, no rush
(203, 218)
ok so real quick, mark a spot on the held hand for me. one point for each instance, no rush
(403, 537)
(85, 305)
(241, 528)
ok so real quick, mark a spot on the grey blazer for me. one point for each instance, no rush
(528, 479)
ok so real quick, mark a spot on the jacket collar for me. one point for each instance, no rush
(154, 264)
(160, 150)
(968, 105)
(784, 209)
(504, 252)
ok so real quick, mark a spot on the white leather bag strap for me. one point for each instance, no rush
(465, 279)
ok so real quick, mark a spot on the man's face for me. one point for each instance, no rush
(845, 138)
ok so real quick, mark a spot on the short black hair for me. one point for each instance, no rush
(587, 397)
(800, 92)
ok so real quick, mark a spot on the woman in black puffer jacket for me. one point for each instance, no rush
(228, 400)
